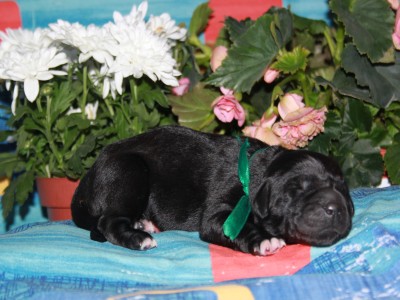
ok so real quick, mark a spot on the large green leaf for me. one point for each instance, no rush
(370, 24)
(381, 80)
(363, 165)
(194, 108)
(237, 28)
(346, 85)
(357, 117)
(252, 52)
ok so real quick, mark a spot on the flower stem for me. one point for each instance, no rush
(109, 107)
(134, 91)
(49, 136)
(85, 90)
(340, 35)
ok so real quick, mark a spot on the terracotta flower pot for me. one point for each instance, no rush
(55, 195)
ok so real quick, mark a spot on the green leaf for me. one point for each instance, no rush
(291, 62)
(75, 120)
(237, 28)
(75, 162)
(313, 26)
(357, 117)
(199, 20)
(346, 85)
(17, 192)
(194, 108)
(363, 165)
(392, 161)
(252, 53)
(64, 95)
(282, 26)
(381, 80)
(9, 164)
(155, 96)
(369, 22)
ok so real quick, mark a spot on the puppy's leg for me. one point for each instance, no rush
(250, 240)
(123, 192)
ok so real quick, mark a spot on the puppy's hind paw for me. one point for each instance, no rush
(148, 243)
(269, 247)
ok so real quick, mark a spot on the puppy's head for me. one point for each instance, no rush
(304, 199)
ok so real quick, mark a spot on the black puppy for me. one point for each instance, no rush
(177, 178)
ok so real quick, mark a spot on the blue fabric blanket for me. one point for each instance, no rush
(58, 261)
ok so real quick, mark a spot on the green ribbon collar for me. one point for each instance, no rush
(239, 215)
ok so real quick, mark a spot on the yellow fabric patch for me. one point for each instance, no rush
(225, 292)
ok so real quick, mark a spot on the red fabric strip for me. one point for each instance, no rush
(228, 264)
(238, 9)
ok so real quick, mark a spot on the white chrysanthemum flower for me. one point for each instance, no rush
(135, 17)
(138, 53)
(30, 67)
(91, 41)
(165, 27)
(23, 39)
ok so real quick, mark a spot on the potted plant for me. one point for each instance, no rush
(77, 88)
(302, 83)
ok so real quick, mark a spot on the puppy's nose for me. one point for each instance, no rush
(331, 209)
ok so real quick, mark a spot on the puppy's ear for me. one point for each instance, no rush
(261, 199)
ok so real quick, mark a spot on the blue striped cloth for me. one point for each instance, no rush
(59, 261)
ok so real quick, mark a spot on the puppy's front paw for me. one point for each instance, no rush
(269, 247)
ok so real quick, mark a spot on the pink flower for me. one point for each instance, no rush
(396, 32)
(218, 55)
(227, 108)
(394, 4)
(261, 130)
(297, 132)
(270, 75)
(182, 88)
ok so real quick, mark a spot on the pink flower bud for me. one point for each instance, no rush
(218, 55)
(227, 108)
(182, 88)
(270, 75)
